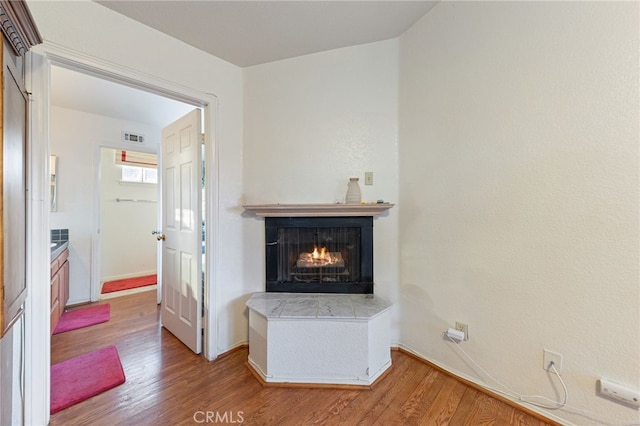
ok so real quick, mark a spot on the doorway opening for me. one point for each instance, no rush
(128, 208)
(50, 56)
(93, 119)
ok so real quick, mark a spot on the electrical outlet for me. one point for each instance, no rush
(548, 357)
(368, 178)
(464, 328)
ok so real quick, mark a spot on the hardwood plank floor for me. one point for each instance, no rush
(169, 385)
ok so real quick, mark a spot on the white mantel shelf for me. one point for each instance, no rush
(317, 210)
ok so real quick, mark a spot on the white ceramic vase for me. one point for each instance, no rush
(353, 192)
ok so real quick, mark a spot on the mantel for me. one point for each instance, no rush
(317, 210)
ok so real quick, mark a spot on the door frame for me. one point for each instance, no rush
(96, 232)
(39, 340)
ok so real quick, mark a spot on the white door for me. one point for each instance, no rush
(181, 311)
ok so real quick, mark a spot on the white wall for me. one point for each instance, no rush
(127, 248)
(100, 33)
(76, 138)
(519, 193)
(311, 123)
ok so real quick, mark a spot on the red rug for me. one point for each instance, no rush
(128, 283)
(82, 377)
(83, 317)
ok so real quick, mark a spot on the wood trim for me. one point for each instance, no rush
(479, 388)
(232, 351)
(18, 26)
(316, 385)
(317, 210)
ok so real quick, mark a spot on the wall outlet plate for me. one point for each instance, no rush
(548, 357)
(460, 326)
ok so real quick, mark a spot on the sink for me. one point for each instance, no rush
(57, 247)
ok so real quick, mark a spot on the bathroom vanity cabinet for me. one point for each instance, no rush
(59, 286)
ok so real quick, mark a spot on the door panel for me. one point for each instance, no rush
(181, 267)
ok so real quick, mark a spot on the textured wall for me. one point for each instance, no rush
(519, 193)
(311, 123)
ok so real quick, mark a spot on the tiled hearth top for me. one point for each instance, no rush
(328, 306)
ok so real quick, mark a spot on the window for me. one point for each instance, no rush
(139, 174)
(131, 174)
(149, 175)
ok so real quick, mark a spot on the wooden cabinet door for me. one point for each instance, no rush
(55, 300)
(13, 177)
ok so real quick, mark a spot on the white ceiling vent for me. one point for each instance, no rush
(132, 137)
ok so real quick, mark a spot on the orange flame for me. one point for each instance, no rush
(321, 254)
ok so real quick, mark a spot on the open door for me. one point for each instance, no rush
(181, 311)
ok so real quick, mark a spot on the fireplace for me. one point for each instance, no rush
(319, 254)
(319, 248)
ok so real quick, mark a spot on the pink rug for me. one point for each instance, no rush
(83, 317)
(127, 283)
(80, 378)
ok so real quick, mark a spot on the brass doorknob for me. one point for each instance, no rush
(160, 237)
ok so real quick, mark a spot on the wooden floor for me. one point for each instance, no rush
(169, 385)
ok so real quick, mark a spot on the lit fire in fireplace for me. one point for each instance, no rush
(318, 258)
(321, 254)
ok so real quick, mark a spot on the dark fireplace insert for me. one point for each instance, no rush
(319, 254)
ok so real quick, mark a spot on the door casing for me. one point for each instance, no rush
(37, 330)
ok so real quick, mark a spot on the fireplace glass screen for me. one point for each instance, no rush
(320, 255)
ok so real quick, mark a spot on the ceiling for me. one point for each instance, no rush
(248, 33)
(244, 33)
(82, 92)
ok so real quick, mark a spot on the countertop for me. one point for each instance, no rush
(57, 247)
(310, 305)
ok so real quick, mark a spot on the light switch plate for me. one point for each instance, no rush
(368, 178)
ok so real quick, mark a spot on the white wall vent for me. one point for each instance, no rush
(132, 137)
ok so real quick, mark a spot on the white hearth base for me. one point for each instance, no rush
(336, 339)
